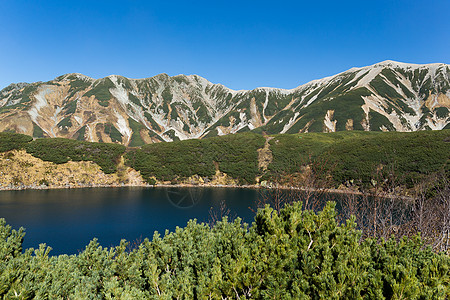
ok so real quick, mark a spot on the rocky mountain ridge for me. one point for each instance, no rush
(387, 96)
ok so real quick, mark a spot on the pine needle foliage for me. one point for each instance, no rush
(361, 157)
(11, 141)
(288, 254)
(60, 150)
(235, 155)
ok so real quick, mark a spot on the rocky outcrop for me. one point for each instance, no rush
(20, 170)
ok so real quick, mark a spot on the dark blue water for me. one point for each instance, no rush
(68, 219)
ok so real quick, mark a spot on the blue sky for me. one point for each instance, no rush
(241, 44)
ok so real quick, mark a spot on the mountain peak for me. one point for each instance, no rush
(71, 76)
(392, 63)
(387, 96)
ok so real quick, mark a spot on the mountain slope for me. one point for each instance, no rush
(388, 96)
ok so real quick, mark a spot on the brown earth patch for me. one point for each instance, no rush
(265, 155)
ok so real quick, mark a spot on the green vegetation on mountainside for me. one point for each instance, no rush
(235, 155)
(290, 151)
(359, 156)
(101, 91)
(352, 101)
(79, 135)
(59, 150)
(287, 254)
(356, 156)
(70, 107)
(113, 133)
(11, 141)
(363, 158)
(136, 139)
(377, 121)
(407, 158)
(37, 131)
(21, 97)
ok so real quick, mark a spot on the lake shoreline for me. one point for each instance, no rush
(186, 185)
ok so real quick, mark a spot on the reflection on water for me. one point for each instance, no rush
(67, 219)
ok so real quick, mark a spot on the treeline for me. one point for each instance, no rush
(59, 150)
(354, 159)
(11, 141)
(236, 155)
(288, 254)
(362, 159)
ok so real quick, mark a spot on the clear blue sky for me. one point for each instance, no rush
(241, 44)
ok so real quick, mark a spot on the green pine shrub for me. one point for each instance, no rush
(60, 150)
(288, 254)
(13, 141)
(235, 155)
(361, 157)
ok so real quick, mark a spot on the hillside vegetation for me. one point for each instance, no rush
(354, 159)
(363, 158)
(60, 150)
(290, 254)
(235, 155)
(20, 170)
(11, 141)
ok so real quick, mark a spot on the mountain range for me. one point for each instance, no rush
(387, 96)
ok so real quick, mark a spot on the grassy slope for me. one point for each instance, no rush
(405, 158)
(59, 150)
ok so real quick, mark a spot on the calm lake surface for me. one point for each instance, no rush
(67, 219)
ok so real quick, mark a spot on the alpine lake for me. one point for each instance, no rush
(68, 219)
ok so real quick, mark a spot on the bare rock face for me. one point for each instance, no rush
(388, 96)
